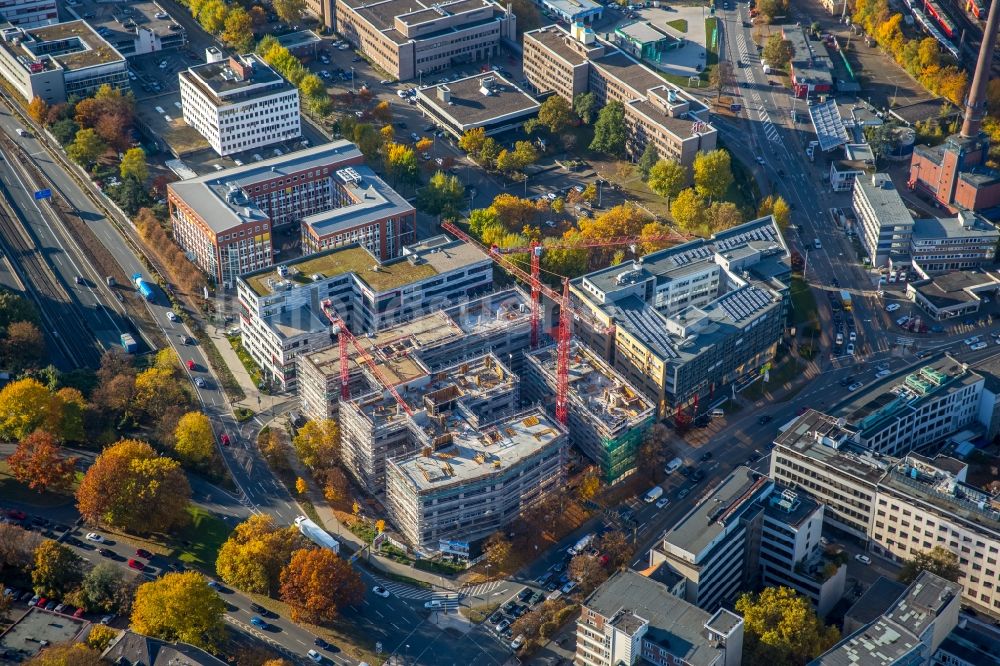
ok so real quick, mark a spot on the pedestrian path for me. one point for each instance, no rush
(482, 590)
(405, 591)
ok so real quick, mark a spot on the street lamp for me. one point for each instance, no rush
(352, 79)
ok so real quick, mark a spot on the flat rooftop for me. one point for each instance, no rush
(432, 256)
(290, 324)
(966, 224)
(789, 506)
(574, 8)
(881, 194)
(673, 623)
(120, 21)
(820, 437)
(293, 40)
(711, 516)
(474, 454)
(371, 200)
(382, 15)
(628, 71)
(678, 126)
(644, 32)
(468, 105)
(950, 289)
(164, 118)
(221, 81)
(602, 393)
(559, 43)
(38, 625)
(71, 45)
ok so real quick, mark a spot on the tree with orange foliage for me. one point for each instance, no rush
(38, 109)
(317, 583)
(38, 462)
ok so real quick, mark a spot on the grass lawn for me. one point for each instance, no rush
(13, 490)
(198, 544)
(777, 377)
(478, 614)
(681, 25)
(743, 191)
(803, 303)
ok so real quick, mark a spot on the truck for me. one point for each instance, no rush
(673, 465)
(317, 534)
(654, 494)
(128, 343)
(143, 287)
(845, 298)
(582, 544)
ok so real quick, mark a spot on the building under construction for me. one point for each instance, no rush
(607, 416)
(498, 322)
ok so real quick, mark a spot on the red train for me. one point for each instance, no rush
(934, 11)
(977, 8)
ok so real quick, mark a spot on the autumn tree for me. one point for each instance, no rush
(382, 112)
(773, 8)
(212, 16)
(667, 178)
(650, 156)
(497, 549)
(101, 636)
(512, 212)
(116, 382)
(133, 165)
(318, 443)
(38, 462)
(56, 569)
(156, 389)
(777, 51)
(38, 110)
(25, 405)
(336, 486)
(554, 115)
(401, 162)
(238, 29)
(589, 486)
(107, 589)
(86, 147)
(587, 570)
(584, 105)
(23, 346)
(688, 211)
(616, 547)
(317, 583)
(712, 173)
(938, 560)
(66, 654)
(290, 11)
(131, 487)
(472, 140)
(17, 546)
(253, 556)
(781, 628)
(443, 195)
(194, 439)
(180, 607)
(609, 130)
(489, 152)
(722, 215)
(777, 206)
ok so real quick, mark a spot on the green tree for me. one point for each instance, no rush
(105, 589)
(713, 173)
(722, 215)
(368, 139)
(777, 51)
(489, 152)
(64, 130)
(882, 139)
(584, 104)
(650, 156)
(56, 569)
(134, 165)
(87, 146)
(772, 8)
(313, 91)
(180, 607)
(609, 130)
(238, 29)
(781, 628)
(938, 560)
(318, 444)
(443, 195)
(667, 178)
(688, 211)
(555, 114)
(525, 154)
(290, 11)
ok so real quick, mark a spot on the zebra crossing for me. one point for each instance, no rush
(482, 590)
(405, 591)
(749, 56)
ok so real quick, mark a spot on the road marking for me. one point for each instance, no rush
(395, 626)
(380, 615)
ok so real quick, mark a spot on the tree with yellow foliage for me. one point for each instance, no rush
(38, 110)
(472, 141)
(401, 162)
(194, 439)
(25, 405)
(180, 607)
(66, 654)
(301, 487)
(100, 637)
(156, 389)
(252, 557)
(318, 444)
(782, 628)
(688, 211)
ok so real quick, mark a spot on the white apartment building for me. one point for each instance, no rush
(239, 104)
(633, 619)
(281, 308)
(884, 223)
(29, 13)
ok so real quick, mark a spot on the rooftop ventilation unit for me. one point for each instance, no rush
(487, 85)
(349, 176)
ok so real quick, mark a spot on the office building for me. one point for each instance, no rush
(29, 13)
(970, 643)
(791, 554)
(715, 547)
(239, 104)
(962, 243)
(499, 322)
(573, 62)
(572, 11)
(411, 39)
(465, 464)
(695, 319)
(226, 219)
(607, 417)
(303, 44)
(134, 28)
(908, 633)
(281, 310)
(484, 100)
(633, 619)
(953, 294)
(59, 61)
(884, 223)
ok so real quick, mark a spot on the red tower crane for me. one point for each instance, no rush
(566, 309)
(344, 336)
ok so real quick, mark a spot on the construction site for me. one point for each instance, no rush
(607, 416)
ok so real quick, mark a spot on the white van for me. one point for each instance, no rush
(673, 465)
(718, 412)
(654, 494)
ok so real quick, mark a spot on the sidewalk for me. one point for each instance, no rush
(221, 342)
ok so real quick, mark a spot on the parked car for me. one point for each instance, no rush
(662, 502)
(142, 552)
(517, 642)
(892, 307)
(503, 626)
(136, 564)
(864, 559)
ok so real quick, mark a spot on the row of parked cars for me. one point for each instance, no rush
(38, 601)
(503, 618)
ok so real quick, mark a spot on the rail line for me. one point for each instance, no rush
(65, 327)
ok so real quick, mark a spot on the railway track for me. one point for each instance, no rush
(65, 327)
